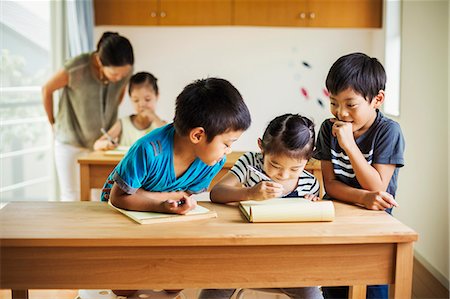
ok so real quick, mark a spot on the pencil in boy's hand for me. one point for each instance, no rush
(110, 139)
(259, 173)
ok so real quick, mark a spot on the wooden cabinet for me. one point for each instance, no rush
(130, 12)
(290, 13)
(163, 12)
(309, 13)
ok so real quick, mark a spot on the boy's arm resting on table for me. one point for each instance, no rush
(142, 200)
(230, 189)
(103, 144)
(59, 80)
(372, 200)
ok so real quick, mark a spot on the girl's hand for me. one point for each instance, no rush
(343, 131)
(312, 197)
(379, 200)
(179, 203)
(148, 114)
(265, 190)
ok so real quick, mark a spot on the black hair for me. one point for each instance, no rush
(289, 134)
(115, 50)
(142, 78)
(213, 104)
(363, 74)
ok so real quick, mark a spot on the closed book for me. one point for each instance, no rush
(154, 217)
(287, 210)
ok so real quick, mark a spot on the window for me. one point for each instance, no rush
(25, 137)
(393, 57)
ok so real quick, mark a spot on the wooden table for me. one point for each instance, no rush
(72, 245)
(96, 166)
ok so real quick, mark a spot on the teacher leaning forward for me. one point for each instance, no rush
(93, 86)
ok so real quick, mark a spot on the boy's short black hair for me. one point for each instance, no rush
(213, 104)
(291, 135)
(363, 74)
(143, 78)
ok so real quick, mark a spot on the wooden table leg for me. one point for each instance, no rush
(403, 272)
(19, 294)
(357, 292)
(85, 188)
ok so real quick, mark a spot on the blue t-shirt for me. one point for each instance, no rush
(149, 165)
(382, 143)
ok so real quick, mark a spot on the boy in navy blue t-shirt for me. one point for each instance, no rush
(360, 149)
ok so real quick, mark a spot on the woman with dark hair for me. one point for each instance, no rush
(93, 85)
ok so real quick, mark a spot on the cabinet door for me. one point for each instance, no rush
(195, 12)
(129, 12)
(344, 13)
(269, 13)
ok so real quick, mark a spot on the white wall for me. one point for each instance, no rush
(265, 64)
(423, 182)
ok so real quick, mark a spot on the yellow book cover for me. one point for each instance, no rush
(287, 210)
(154, 217)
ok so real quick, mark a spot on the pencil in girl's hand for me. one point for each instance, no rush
(108, 136)
(259, 173)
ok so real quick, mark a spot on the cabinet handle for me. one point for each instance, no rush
(302, 15)
(153, 14)
(312, 15)
(162, 14)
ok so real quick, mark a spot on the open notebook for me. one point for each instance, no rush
(153, 217)
(287, 210)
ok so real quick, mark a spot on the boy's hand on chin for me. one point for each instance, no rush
(343, 131)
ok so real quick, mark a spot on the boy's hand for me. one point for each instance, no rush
(312, 197)
(379, 200)
(179, 203)
(343, 131)
(265, 190)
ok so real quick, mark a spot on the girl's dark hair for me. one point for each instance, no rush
(213, 104)
(289, 134)
(142, 78)
(115, 50)
(363, 74)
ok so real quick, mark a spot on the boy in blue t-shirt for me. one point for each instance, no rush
(360, 149)
(163, 168)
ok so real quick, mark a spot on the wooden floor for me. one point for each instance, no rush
(425, 286)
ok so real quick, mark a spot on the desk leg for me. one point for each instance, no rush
(85, 188)
(357, 292)
(19, 294)
(403, 272)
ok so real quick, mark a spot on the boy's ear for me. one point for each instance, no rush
(196, 135)
(378, 99)
(260, 145)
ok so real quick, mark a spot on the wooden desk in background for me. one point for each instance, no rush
(88, 245)
(96, 166)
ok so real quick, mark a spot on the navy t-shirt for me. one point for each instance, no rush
(382, 143)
